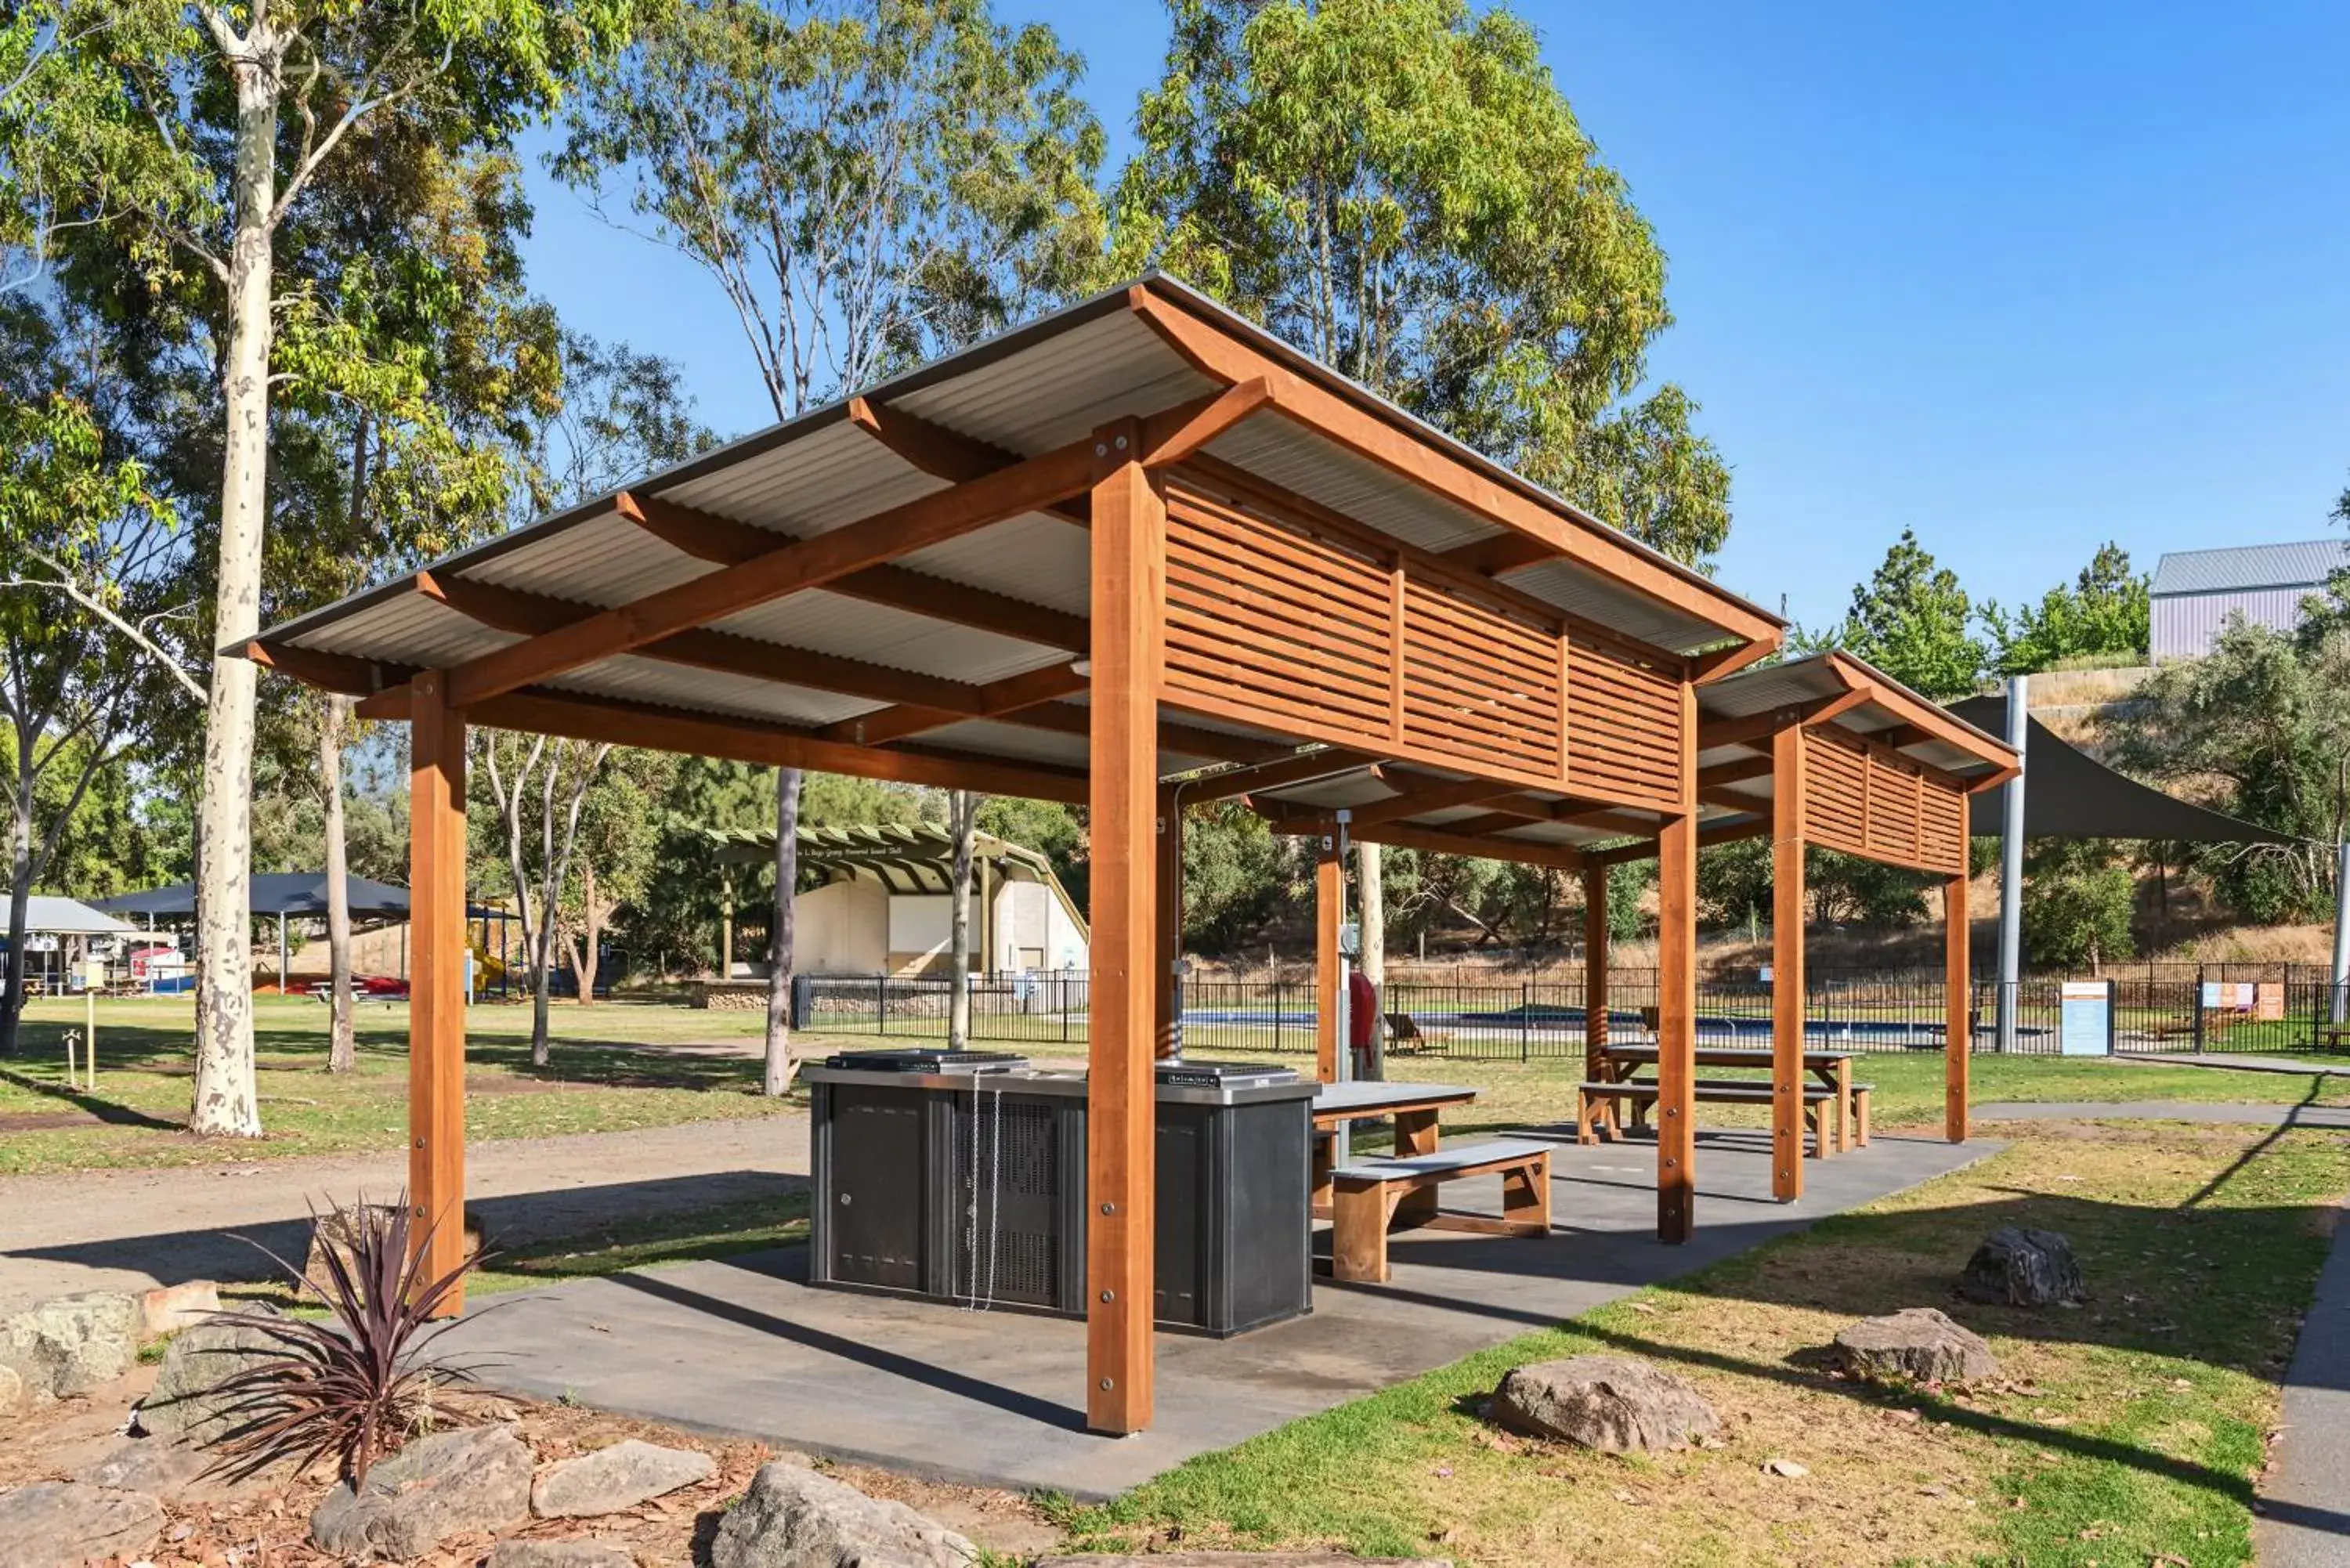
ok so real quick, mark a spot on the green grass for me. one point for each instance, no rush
(594, 1081)
(660, 1241)
(607, 1072)
(722, 1232)
(2121, 1431)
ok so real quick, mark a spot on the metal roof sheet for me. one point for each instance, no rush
(2305, 564)
(1033, 389)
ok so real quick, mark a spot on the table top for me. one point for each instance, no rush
(1729, 1056)
(1373, 1097)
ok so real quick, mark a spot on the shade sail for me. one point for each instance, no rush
(272, 893)
(2070, 795)
(51, 916)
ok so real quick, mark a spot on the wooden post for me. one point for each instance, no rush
(436, 1010)
(1787, 784)
(1170, 850)
(1329, 906)
(1129, 539)
(1594, 972)
(1958, 1008)
(1677, 999)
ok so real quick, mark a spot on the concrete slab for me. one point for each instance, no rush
(2237, 1114)
(2240, 1062)
(2301, 1521)
(744, 1345)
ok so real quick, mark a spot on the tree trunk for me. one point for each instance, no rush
(226, 1098)
(342, 1049)
(963, 819)
(1370, 899)
(776, 1077)
(20, 899)
(582, 962)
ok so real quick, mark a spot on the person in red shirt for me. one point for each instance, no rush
(1362, 1018)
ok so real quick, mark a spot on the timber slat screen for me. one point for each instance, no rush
(1861, 803)
(1340, 636)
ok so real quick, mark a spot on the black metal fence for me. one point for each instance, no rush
(2157, 1007)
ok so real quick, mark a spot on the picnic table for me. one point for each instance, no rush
(1618, 1064)
(1414, 1106)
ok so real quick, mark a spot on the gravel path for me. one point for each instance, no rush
(131, 1229)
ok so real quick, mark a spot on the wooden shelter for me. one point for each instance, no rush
(1137, 555)
(1824, 749)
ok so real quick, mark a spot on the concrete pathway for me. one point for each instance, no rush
(2240, 1062)
(2245, 1115)
(744, 1345)
(2305, 1504)
(127, 1229)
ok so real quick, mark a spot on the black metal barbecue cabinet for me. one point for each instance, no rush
(961, 1176)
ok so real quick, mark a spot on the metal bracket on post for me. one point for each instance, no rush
(1341, 1144)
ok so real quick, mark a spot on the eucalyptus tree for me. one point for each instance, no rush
(1400, 188)
(220, 121)
(866, 182)
(73, 698)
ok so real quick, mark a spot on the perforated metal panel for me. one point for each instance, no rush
(1007, 1161)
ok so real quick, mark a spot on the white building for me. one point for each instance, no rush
(2194, 592)
(880, 903)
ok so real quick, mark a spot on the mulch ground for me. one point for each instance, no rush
(267, 1520)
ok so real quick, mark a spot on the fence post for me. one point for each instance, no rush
(2195, 1002)
(1526, 1020)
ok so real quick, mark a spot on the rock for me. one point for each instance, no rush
(158, 1467)
(171, 1308)
(794, 1517)
(1793, 1470)
(1920, 1344)
(73, 1343)
(11, 1390)
(1612, 1403)
(64, 1524)
(330, 1233)
(560, 1554)
(610, 1480)
(473, 1480)
(183, 1403)
(1243, 1559)
(2021, 1267)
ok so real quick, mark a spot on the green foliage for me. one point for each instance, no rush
(1398, 187)
(1059, 831)
(2104, 614)
(915, 173)
(2267, 717)
(2077, 898)
(1912, 620)
(1734, 882)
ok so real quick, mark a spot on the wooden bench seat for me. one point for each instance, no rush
(1364, 1194)
(1819, 1105)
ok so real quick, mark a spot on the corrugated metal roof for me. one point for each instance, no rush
(1032, 390)
(2302, 564)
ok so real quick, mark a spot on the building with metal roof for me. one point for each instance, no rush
(2195, 592)
(879, 903)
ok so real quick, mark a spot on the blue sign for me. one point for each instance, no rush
(2085, 1025)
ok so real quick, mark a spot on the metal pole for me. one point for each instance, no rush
(284, 985)
(2010, 869)
(2340, 1001)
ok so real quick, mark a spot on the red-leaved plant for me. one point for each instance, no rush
(356, 1385)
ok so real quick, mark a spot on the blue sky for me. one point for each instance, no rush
(2024, 278)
